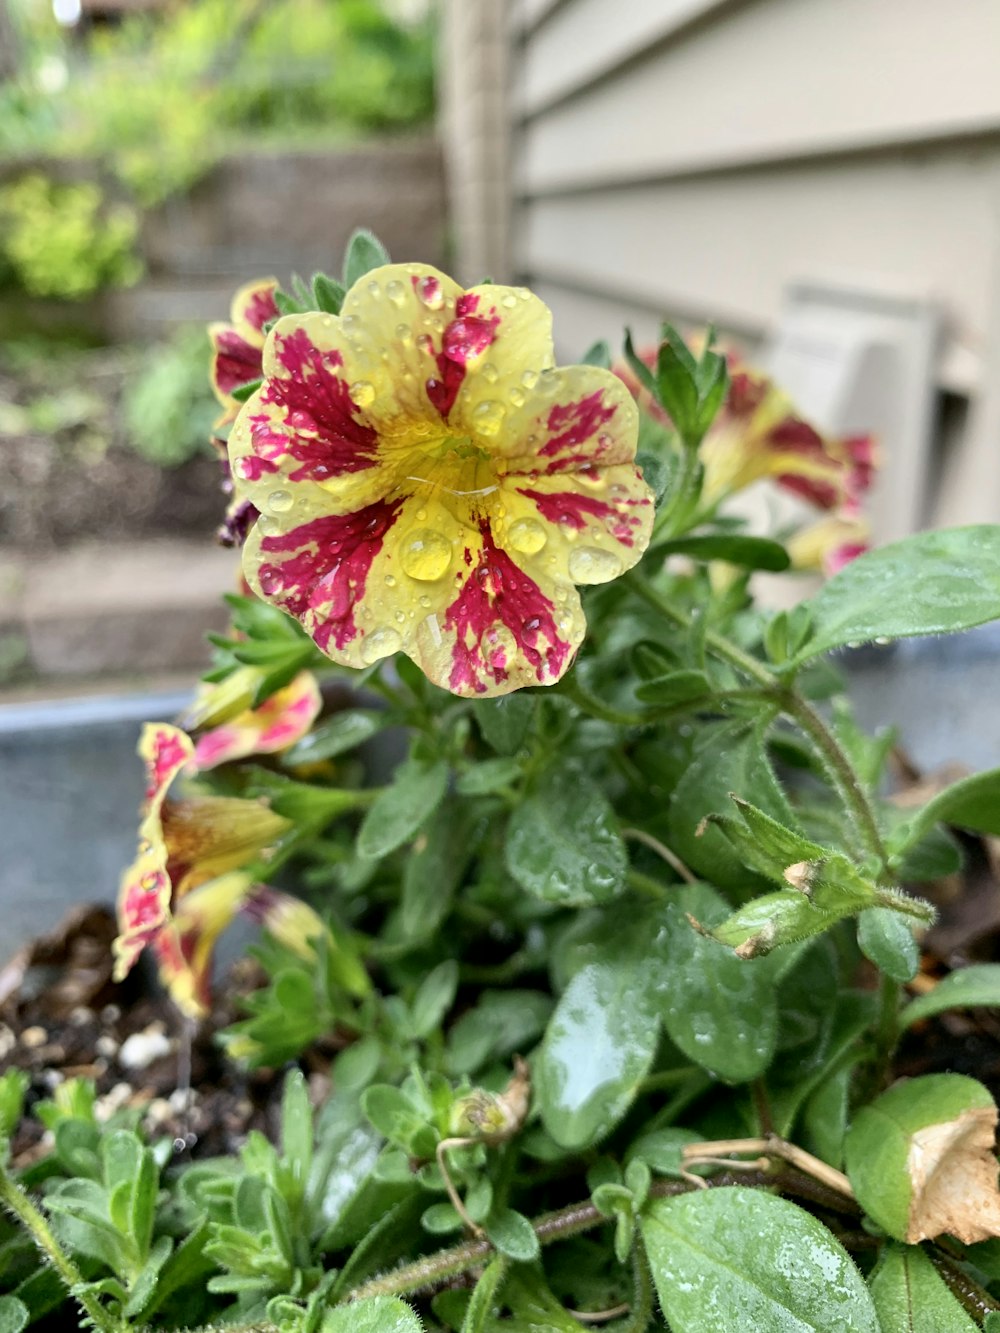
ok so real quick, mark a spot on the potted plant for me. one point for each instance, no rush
(592, 1012)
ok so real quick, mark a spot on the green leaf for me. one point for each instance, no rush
(675, 687)
(13, 1088)
(327, 294)
(297, 1127)
(910, 1297)
(662, 1149)
(732, 760)
(973, 803)
(505, 722)
(501, 1023)
(244, 391)
(513, 1235)
(434, 998)
(886, 940)
(14, 1315)
(434, 869)
(642, 372)
(737, 1258)
(416, 790)
(973, 987)
(378, 1314)
(364, 253)
(597, 1049)
(719, 1010)
(598, 354)
(491, 775)
(563, 843)
(931, 583)
(750, 552)
(916, 1185)
(345, 731)
(484, 1297)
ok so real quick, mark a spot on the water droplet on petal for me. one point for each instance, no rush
(425, 602)
(426, 555)
(605, 441)
(272, 581)
(374, 289)
(488, 417)
(489, 372)
(395, 291)
(425, 342)
(390, 581)
(280, 501)
(532, 625)
(382, 642)
(517, 397)
(588, 564)
(498, 646)
(429, 291)
(400, 617)
(351, 324)
(404, 333)
(529, 379)
(527, 535)
(509, 301)
(362, 393)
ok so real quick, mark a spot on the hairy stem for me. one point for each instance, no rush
(35, 1223)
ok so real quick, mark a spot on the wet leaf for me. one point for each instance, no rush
(379, 1314)
(737, 1258)
(417, 788)
(910, 1297)
(886, 940)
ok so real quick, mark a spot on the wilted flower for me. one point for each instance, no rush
(181, 890)
(237, 347)
(430, 483)
(235, 729)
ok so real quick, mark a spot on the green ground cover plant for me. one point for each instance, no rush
(617, 956)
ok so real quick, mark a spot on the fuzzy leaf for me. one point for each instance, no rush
(886, 940)
(379, 1314)
(910, 1297)
(416, 790)
(364, 253)
(513, 1235)
(969, 988)
(737, 1258)
(931, 583)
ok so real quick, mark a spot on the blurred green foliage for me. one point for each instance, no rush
(65, 239)
(168, 405)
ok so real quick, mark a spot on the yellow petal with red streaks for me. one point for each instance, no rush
(165, 750)
(279, 722)
(572, 417)
(583, 527)
(184, 949)
(207, 836)
(143, 906)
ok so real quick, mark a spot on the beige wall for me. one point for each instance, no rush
(693, 157)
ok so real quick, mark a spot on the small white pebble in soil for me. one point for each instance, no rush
(7, 1041)
(158, 1112)
(34, 1037)
(52, 1078)
(81, 1015)
(106, 1106)
(183, 1099)
(110, 1013)
(106, 1046)
(142, 1048)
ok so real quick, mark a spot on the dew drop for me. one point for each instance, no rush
(400, 617)
(267, 525)
(390, 581)
(426, 555)
(605, 441)
(395, 291)
(509, 301)
(425, 342)
(382, 642)
(362, 393)
(489, 372)
(498, 646)
(533, 625)
(421, 515)
(425, 602)
(588, 564)
(375, 290)
(517, 397)
(272, 581)
(280, 501)
(429, 291)
(488, 417)
(527, 536)
(351, 324)
(529, 379)
(404, 333)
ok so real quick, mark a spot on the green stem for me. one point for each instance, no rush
(33, 1221)
(887, 1026)
(841, 771)
(642, 1292)
(572, 688)
(717, 643)
(646, 885)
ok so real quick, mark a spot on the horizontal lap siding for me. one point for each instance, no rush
(696, 155)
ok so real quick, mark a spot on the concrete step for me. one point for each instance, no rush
(124, 612)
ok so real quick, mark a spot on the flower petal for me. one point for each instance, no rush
(165, 750)
(184, 948)
(278, 723)
(253, 306)
(572, 417)
(143, 907)
(207, 836)
(585, 526)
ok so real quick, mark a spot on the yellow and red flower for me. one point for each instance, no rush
(181, 890)
(236, 730)
(832, 542)
(237, 346)
(430, 483)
